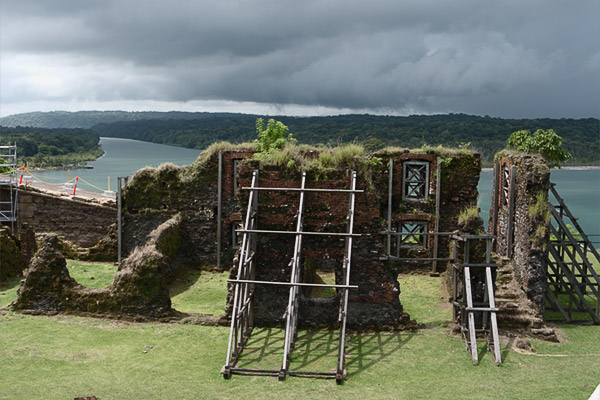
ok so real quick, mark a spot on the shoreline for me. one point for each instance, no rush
(569, 167)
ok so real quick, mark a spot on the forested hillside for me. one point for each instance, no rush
(87, 119)
(487, 135)
(52, 147)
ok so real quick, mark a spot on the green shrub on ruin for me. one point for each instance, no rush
(543, 142)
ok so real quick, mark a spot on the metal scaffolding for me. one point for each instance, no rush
(242, 313)
(570, 272)
(9, 205)
(473, 301)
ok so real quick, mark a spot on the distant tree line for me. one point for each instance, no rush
(487, 135)
(52, 147)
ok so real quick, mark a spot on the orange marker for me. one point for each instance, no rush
(75, 186)
(21, 179)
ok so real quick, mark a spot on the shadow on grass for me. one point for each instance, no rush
(264, 346)
(368, 349)
(317, 350)
(184, 279)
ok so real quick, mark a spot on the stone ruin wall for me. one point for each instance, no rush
(189, 194)
(156, 194)
(139, 290)
(81, 222)
(375, 302)
(532, 176)
(458, 191)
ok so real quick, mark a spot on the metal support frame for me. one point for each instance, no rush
(570, 271)
(9, 206)
(438, 188)
(389, 210)
(219, 207)
(242, 313)
(466, 308)
(121, 183)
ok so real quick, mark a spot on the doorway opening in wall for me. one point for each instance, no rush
(93, 275)
(319, 274)
(199, 289)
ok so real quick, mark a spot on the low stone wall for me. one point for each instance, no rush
(138, 291)
(79, 221)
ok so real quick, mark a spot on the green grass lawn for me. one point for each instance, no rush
(199, 291)
(92, 275)
(63, 357)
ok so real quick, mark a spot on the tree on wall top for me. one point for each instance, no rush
(274, 137)
(543, 142)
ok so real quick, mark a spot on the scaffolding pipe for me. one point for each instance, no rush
(340, 371)
(219, 210)
(438, 185)
(389, 219)
(119, 218)
(292, 311)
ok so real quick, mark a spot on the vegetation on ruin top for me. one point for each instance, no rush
(546, 143)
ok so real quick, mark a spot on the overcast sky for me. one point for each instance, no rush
(506, 58)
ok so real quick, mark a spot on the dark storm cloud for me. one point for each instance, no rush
(508, 58)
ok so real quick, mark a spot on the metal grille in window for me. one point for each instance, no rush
(412, 234)
(505, 185)
(416, 180)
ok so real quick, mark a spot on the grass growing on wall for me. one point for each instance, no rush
(64, 357)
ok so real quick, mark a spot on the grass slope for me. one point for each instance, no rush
(64, 357)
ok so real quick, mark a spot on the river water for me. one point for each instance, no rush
(122, 157)
(579, 187)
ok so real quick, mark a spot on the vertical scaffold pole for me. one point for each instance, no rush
(389, 216)
(438, 185)
(242, 299)
(292, 308)
(339, 377)
(120, 180)
(219, 209)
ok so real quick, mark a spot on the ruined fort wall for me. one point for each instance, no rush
(529, 236)
(155, 194)
(460, 172)
(79, 221)
(375, 302)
